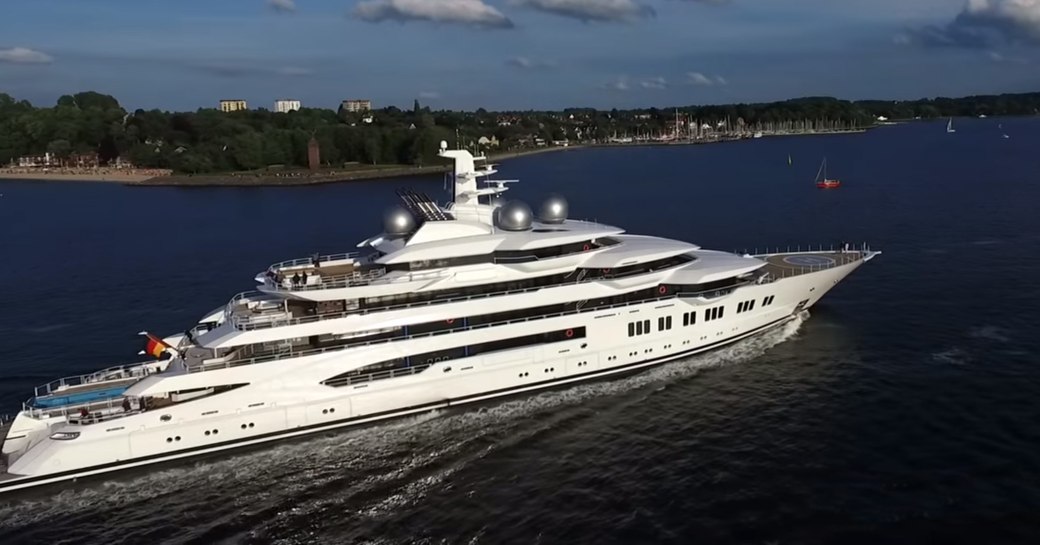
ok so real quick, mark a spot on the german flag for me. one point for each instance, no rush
(154, 346)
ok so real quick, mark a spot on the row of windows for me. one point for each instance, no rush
(664, 323)
(417, 363)
(640, 327)
(445, 295)
(745, 306)
(689, 318)
(714, 313)
(506, 256)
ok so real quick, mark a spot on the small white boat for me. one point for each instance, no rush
(949, 126)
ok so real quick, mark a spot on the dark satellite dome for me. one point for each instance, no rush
(514, 216)
(554, 210)
(398, 221)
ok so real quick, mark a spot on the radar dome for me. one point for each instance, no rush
(554, 210)
(514, 216)
(398, 221)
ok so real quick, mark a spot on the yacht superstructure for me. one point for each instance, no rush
(449, 305)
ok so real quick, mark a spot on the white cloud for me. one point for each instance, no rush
(463, 12)
(986, 22)
(658, 83)
(698, 78)
(286, 6)
(21, 55)
(592, 10)
(528, 63)
(619, 84)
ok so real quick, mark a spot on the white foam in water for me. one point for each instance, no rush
(364, 460)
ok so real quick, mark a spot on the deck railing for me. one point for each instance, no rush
(118, 372)
(312, 261)
(96, 411)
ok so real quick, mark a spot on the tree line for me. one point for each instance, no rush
(208, 140)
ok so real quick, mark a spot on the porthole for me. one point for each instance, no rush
(250, 424)
(169, 439)
(177, 438)
(216, 432)
(207, 432)
(324, 411)
(165, 418)
(332, 410)
(243, 426)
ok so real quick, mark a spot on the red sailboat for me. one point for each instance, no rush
(823, 182)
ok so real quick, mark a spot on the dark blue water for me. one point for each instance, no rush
(904, 410)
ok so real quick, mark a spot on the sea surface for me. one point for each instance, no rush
(904, 409)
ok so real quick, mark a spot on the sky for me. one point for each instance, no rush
(515, 54)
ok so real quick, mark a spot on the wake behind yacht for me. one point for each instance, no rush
(449, 305)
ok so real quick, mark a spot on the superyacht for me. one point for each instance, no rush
(449, 305)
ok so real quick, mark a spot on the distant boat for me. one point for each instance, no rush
(823, 182)
(982, 116)
(949, 126)
(788, 159)
(758, 134)
(1006, 137)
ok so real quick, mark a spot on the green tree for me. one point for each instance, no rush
(60, 149)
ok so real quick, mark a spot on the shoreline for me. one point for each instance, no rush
(61, 177)
(257, 179)
(303, 177)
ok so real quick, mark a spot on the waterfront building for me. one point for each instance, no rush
(286, 105)
(233, 105)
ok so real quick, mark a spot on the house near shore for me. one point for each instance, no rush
(47, 160)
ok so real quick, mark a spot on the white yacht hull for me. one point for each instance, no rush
(293, 402)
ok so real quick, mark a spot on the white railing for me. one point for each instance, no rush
(119, 372)
(356, 279)
(767, 251)
(312, 261)
(245, 297)
(90, 412)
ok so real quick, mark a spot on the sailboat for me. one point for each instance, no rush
(824, 182)
(949, 126)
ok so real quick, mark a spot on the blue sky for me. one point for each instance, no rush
(515, 54)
